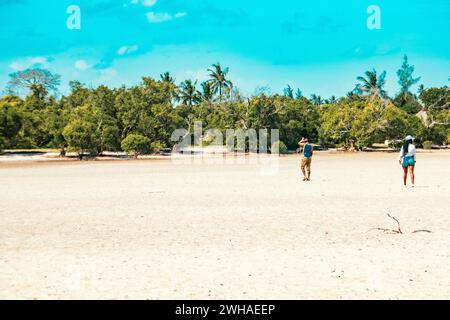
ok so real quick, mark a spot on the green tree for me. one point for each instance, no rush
(405, 99)
(435, 117)
(60, 116)
(80, 136)
(405, 76)
(218, 79)
(207, 92)
(360, 123)
(189, 94)
(10, 123)
(146, 109)
(298, 119)
(332, 100)
(57, 118)
(33, 79)
(337, 123)
(169, 85)
(289, 92)
(136, 144)
(438, 98)
(316, 99)
(407, 102)
(96, 106)
(37, 109)
(78, 96)
(102, 100)
(379, 121)
(372, 84)
(421, 89)
(167, 77)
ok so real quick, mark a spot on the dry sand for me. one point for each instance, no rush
(155, 230)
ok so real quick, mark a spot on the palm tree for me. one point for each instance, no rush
(207, 91)
(355, 92)
(298, 94)
(289, 92)
(219, 80)
(169, 84)
(317, 100)
(332, 100)
(188, 93)
(166, 77)
(421, 89)
(372, 85)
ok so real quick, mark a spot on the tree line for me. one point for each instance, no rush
(140, 119)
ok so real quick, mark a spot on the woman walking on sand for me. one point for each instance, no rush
(407, 159)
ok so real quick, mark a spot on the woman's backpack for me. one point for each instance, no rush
(307, 150)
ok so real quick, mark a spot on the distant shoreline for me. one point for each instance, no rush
(21, 157)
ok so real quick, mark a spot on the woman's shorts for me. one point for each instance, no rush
(408, 162)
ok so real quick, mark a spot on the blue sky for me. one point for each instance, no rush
(318, 46)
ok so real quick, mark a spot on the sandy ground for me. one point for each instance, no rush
(155, 230)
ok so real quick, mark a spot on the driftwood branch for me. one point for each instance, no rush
(399, 229)
(417, 231)
(390, 231)
(398, 223)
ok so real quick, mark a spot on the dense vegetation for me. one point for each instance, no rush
(141, 119)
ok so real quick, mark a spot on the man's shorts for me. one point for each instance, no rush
(306, 162)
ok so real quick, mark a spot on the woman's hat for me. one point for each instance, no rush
(409, 138)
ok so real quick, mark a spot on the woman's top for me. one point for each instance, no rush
(411, 152)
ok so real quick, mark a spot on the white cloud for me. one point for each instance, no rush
(32, 62)
(163, 16)
(107, 75)
(38, 60)
(82, 65)
(158, 17)
(148, 3)
(145, 3)
(124, 50)
(180, 15)
(16, 66)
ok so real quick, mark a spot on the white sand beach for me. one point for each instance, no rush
(155, 230)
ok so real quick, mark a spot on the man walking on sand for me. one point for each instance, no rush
(308, 151)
